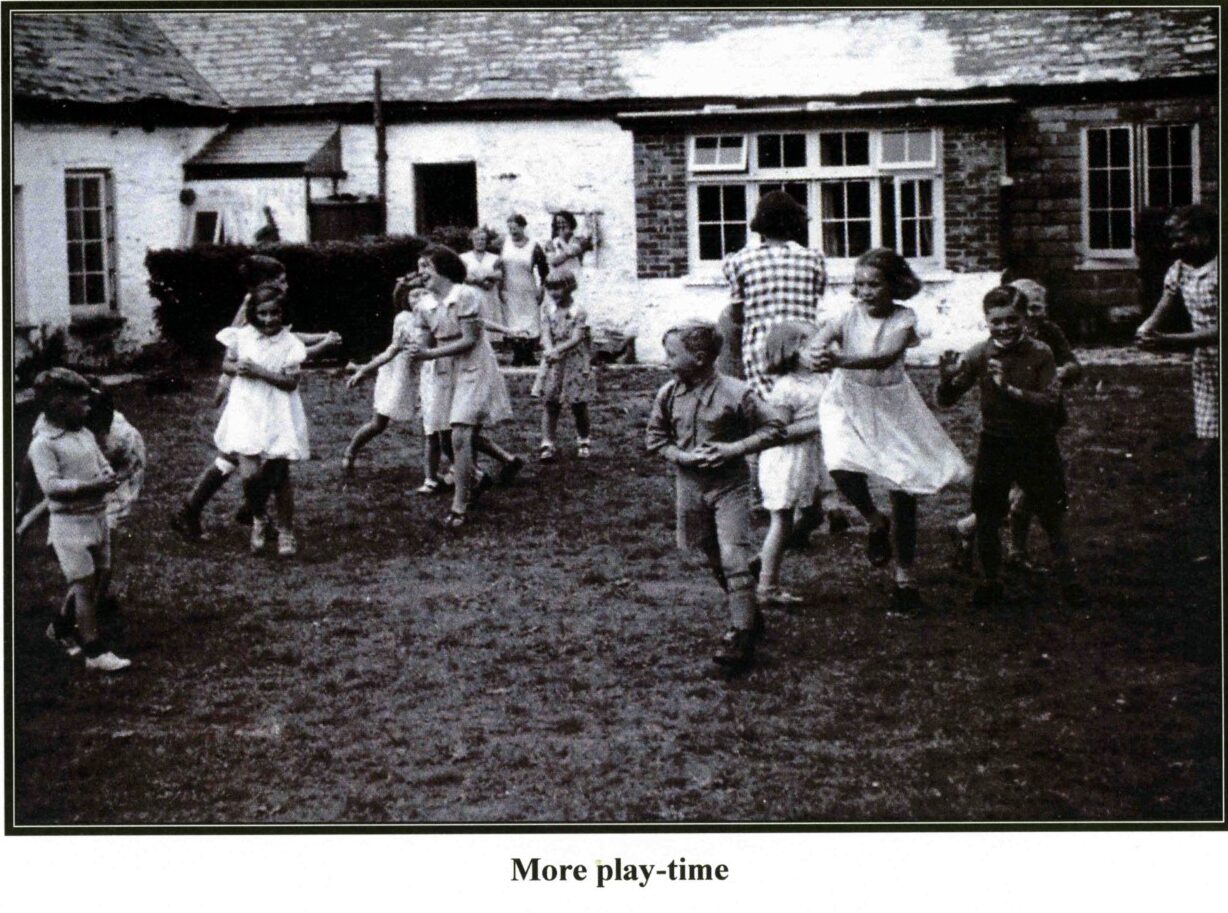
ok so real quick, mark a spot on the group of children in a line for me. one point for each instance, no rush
(841, 404)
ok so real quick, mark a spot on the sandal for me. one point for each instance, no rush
(878, 544)
(347, 465)
(546, 453)
(584, 449)
(428, 487)
(510, 470)
(452, 520)
(777, 596)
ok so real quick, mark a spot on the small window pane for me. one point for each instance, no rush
(1183, 188)
(205, 227)
(859, 238)
(1119, 223)
(710, 242)
(735, 203)
(834, 243)
(920, 146)
(1097, 148)
(74, 225)
(76, 258)
(1098, 229)
(72, 192)
(705, 150)
(730, 150)
(93, 257)
(735, 237)
(769, 151)
(859, 199)
(893, 147)
(1098, 189)
(908, 200)
(76, 289)
(1119, 188)
(709, 204)
(831, 149)
(857, 148)
(1157, 146)
(927, 197)
(91, 220)
(1119, 148)
(95, 289)
(886, 196)
(795, 150)
(89, 193)
(833, 201)
(1182, 147)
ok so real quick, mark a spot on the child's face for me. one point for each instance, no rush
(515, 229)
(1188, 244)
(560, 295)
(479, 241)
(685, 364)
(433, 279)
(1005, 326)
(562, 227)
(270, 317)
(871, 288)
(69, 408)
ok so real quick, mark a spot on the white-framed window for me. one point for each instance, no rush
(718, 153)
(208, 227)
(1128, 167)
(862, 188)
(89, 205)
(1170, 171)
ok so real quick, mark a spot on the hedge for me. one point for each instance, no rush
(335, 285)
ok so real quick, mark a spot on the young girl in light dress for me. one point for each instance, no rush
(873, 420)
(792, 476)
(466, 386)
(264, 422)
(566, 374)
(396, 381)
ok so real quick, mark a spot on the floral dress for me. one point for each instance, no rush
(570, 379)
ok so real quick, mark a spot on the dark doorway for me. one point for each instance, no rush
(446, 195)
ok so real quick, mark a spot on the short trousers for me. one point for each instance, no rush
(82, 543)
(1033, 463)
(714, 517)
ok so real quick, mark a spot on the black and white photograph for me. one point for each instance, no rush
(661, 419)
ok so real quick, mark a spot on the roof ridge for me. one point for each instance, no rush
(170, 43)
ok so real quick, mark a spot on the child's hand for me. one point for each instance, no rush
(712, 455)
(997, 371)
(359, 375)
(245, 367)
(108, 480)
(825, 361)
(687, 458)
(332, 339)
(949, 364)
(1150, 341)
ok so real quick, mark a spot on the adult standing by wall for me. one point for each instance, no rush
(524, 276)
(775, 281)
(566, 250)
(484, 271)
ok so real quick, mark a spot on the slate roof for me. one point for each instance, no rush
(276, 58)
(314, 146)
(102, 58)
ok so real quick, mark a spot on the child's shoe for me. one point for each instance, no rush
(511, 469)
(774, 595)
(287, 545)
(965, 549)
(1017, 560)
(243, 516)
(878, 543)
(186, 522)
(737, 649)
(584, 448)
(837, 521)
(987, 595)
(60, 632)
(260, 534)
(546, 453)
(107, 662)
(906, 600)
(429, 487)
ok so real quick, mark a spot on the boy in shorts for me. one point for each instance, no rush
(704, 423)
(76, 478)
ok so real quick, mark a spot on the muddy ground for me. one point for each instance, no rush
(551, 662)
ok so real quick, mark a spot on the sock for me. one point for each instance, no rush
(967, 526)
(742, 608)
(903, 575)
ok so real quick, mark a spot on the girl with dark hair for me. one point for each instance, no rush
(873, 420)
(466, 383)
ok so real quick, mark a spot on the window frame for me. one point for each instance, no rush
(107, 237)
(718, 167)
(814, 175)
(1146, 168)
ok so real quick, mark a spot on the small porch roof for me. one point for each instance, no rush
(270, 150)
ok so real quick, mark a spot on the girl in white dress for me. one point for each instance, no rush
(873, 420)
(792, 475)
(396, 383)
(263, 422)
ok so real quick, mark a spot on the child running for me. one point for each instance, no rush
(566, 374)
(791, 476)
(874, 422)
(396, 382)
(703, 423)
(1019, 418)
(76, 478)
(263, 422)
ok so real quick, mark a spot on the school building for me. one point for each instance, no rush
(1048, 141)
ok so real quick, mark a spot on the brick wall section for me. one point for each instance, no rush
(972, 171)
(1044, 213)
(660, 205)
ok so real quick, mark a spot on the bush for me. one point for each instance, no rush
(335, 285)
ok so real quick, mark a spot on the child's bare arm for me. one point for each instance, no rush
(1169, 303)
(890, 348)
(287, 379)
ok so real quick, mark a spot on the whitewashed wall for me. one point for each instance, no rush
(147, 170)
(241, 204)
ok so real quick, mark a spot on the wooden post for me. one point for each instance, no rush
(381, 147)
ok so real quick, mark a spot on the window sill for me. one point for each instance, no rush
(1092, 263)
(838, 274)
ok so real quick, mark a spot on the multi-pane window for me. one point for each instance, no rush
(90, 214)
(1110, 189)
(860, 188)
(1170, 171)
